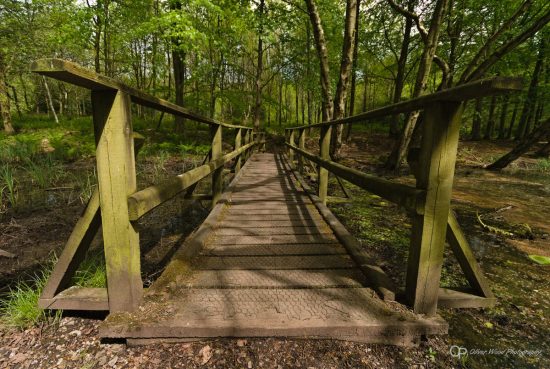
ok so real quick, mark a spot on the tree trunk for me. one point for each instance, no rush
(322, 53)
(503, 114)
(513, 119)
(308, 76)
(529, 105)
(354, 64)
(345, 71)
(475, 134)
(49, 99)
(542, 131)
(4, 100)
(430, 45)
(490, 128)
(401, 68)
(259, 70)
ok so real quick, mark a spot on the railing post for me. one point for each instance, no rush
(117, 180)
(238, 160)
(324, 142)
(435, 176)
(217, 176)
(292, 143)
(302, 145)
(246, 142)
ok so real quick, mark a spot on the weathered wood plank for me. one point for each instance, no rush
(117, 180)
(409, 197)
(324, 143)
(238, 144)
(217, 175)
(463, 253)
(484, 87)
(147, 199)
(453, 299)
(77, 298)
(435, 176)
(302, 146)
(292, 143)
(66, 71)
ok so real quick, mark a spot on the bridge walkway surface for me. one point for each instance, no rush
(266, 263)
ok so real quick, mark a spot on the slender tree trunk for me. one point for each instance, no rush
(345, 71)
(4, 99)
(542, 131)
(49, 99)
(401, 68)
(529, 105)
(259, 69)
(430, 45)
(280, 106)
(490, 128)
(308, 75)
(179, 68)
(475, 134)
(503, 115)
(513, 119)
(354, 64)
(322, 53)
(15, 99)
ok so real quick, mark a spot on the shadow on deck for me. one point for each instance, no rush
(267, 263)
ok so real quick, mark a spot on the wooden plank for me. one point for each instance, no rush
(217, 175)
(463, 253)
(77, 298)
(476, 89)
(435, 176)
(79, 241)
(409, 197)
(454, 299)
(147, 199)
(324, 142)
(66, 71)
(302, 146)
(117, 180)
(292, 143)
(238, 144)
(75, 249)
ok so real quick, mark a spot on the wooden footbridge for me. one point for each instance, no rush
(270, 259)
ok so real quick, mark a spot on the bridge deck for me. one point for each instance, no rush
(266, 264)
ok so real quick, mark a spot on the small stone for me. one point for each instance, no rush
(241, 343)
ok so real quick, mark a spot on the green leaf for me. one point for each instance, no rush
(539, 259)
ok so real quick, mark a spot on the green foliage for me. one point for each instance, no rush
(8, 185)
(19, 308)
(539, 259)
(92, 272)
(543, 165)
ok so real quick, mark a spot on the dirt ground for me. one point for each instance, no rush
(511, 335)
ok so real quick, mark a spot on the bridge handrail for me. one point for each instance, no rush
(429, 200)
(473, 90)
(75, 74)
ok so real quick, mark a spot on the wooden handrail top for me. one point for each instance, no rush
(484, 87)
(404, 195)
(75, 74)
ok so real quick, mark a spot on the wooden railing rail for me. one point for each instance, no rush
(118, 203)
(428, 201)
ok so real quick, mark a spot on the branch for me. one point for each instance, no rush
(506, 48)
(445, 69)
(485, 48)
(419, 25)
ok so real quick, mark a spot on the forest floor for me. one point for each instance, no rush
(516, 201)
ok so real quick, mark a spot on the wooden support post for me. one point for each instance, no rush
(117, 180)
(238, 140)
(466, 259)
(301, 145)
(292, 142)
(217, 153)
(324, 143)
(246, 155)
(435, 176)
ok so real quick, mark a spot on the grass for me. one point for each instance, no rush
(8, 185)
(19, 309)
(543, 165)
(92, 272)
